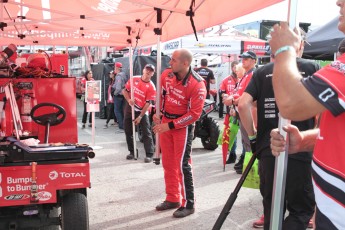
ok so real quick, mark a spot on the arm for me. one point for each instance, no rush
(245, 110)
(293, 99)
(126, 95)
(298, 141)
(197, 101)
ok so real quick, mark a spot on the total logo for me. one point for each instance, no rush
(53, 175)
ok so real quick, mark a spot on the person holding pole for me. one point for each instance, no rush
(183, 95)
(87, 77)
(144, 92)
(323, 92)
(299, 195)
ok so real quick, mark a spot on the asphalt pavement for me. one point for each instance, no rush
(124, 193)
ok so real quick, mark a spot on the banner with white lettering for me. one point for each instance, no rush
(16, 182)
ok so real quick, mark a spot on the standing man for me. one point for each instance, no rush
(120, 81)
(183, 96)
(299, 194)
(207, 74)
(248, 64)
(223, 86)
(144, 95)
(299, 99)
(227, 87)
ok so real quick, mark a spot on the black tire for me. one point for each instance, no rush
(212, 128)
(74, 212)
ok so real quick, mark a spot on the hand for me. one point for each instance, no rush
(282, 35)
(228, 100)
(161, 128)
(156, 119)
(131, 102)
(278, 143)
(137, 120)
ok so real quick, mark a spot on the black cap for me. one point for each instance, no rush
(248, 54)
(150, 66)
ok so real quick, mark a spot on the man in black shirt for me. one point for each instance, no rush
(207, 75)
(299, 194)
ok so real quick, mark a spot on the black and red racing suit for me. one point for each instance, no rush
(182, 103)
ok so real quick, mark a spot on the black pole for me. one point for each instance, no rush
(230, 202)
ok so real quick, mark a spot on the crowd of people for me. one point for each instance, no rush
(289, 86)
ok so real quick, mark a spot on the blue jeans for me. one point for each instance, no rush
(118, 109)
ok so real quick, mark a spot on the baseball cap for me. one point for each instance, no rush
(118, 64)
(248, 54)
(150, 66)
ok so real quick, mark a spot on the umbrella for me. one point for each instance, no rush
(228, 135)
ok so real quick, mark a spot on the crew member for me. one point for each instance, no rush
(207, 74)
(144, 95)
(183, 96)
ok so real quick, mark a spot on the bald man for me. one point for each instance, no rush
(183, 95)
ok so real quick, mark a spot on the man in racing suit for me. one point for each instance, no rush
(144, 94)
(183, 95)
(298, 99)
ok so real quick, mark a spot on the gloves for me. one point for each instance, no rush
(252, 140)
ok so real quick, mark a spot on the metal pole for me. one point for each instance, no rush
(278, 195)
(158, 31)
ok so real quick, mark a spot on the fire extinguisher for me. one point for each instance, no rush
(28, 102)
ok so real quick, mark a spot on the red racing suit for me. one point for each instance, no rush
(182, 103)
(328, 170)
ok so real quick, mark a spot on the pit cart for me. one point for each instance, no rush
(44, 186)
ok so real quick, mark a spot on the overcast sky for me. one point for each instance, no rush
(316, 12)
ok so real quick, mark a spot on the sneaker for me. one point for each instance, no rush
(183, 212)
(90, 125)
(239, 171)
(148, 159)
(232, 158)
(83, 126)
(165, 205)
(311, 224)
(105, 126)
(130, 156)
(259, 223)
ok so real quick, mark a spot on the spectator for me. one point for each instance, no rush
(223, 84)
(118, 86)
(87, 77)
(110, 100)
(299, 99)
(227, 87)
(144, 95)
(299, 195)
(248, 64)
(207, 75)
(183, 95)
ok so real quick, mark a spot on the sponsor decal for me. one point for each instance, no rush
(53, 175)
(17, 197)
(44, 196)
(326, 94)
(172, 45)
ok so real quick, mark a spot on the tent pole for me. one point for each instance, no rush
(158, 32)
(280, 169)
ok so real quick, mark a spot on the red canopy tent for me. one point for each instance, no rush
(112, 22)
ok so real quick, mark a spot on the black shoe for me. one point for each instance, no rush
(232, 158)
(83, 126)
(148, 159)
(165, 205)
(239, 171)
(130, 156)
(90, 125)
(239, 164)
(183, 212)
